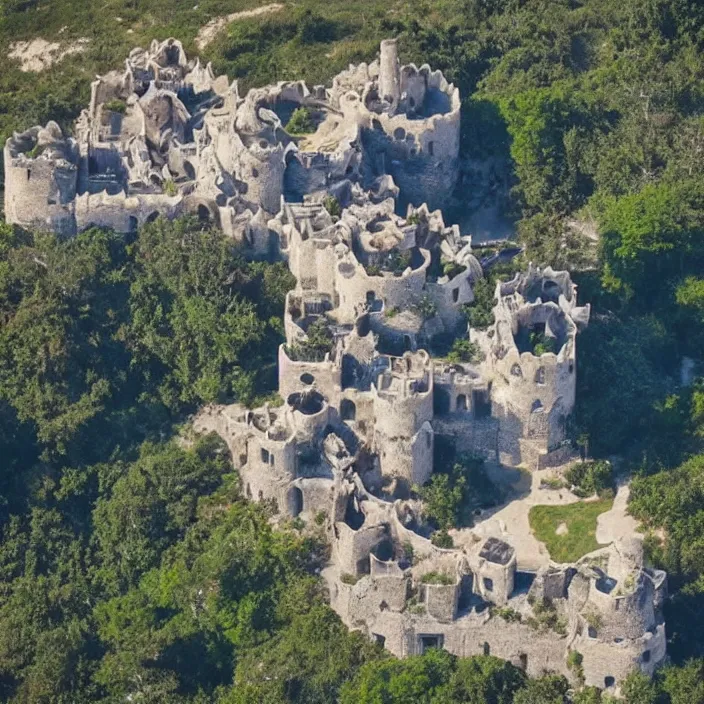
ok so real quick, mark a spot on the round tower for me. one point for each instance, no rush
(389, 73)
(40, 179)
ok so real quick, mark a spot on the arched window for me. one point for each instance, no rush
(295, 501)
(537, 407)
(348, 410)
(441, 401)
(203, 213)
(516, 370)
(153, 216)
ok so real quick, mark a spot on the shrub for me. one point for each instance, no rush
(442, 539)
(426, 307)
(508, 614)
(116, 105)
(542, 344)
(317, 344)
(591, 477)
(464, 351)
(347, 578)
(170, 188)
(301, 122)
(332, 205)
(437, 578)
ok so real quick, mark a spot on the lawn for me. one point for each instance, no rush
(580, 520)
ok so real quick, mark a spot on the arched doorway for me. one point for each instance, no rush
(348, 410)
(295, 501)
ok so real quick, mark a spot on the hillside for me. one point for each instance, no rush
(132, 567)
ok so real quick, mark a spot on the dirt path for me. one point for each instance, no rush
(209, 31)
(616, 523)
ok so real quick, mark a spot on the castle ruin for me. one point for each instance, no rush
(353, 207)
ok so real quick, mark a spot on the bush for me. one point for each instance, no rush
(442, 539)
(591, 477)
(301, 122)
(332, 205)
(116, 105)
(464, 351)
(437, 577)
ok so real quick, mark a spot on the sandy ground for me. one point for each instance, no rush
(209, 31)
(510, 521)
(616, 523)
(39, 54)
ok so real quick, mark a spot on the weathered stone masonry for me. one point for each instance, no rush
(361, 415)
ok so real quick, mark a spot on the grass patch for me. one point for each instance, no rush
(580, 519)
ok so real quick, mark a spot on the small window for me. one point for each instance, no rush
(431, 148)
(455, 295)
(348, 410)
(571, 367)
(591, 632)
(523, 658)
(609, 681)
(646, 656)
(486, 649)
(265, 456)
(307, 379)
(540, 375)
(537, 406)
(379, 639)
(29, 174)
(516, 370)
(428, 439)
(255, 173)
(399, 133)
(461, 403)
(271, 459)
(488, 584)
(427, 642)
(412, 102)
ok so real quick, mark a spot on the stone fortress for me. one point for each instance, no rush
(353, 207)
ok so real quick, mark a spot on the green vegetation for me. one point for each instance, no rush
(591, 115)
(463, 350)
(542, 344)
(437, 578)
(442, 539)
(301, 122)
(588, 478)
(545, 617)
(317, 344)
(434, 678)
(458, 487)
(116, 105)
(332, 205)
(580, 521)
(170, 188)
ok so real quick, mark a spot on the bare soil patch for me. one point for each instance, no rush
(38, 55)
